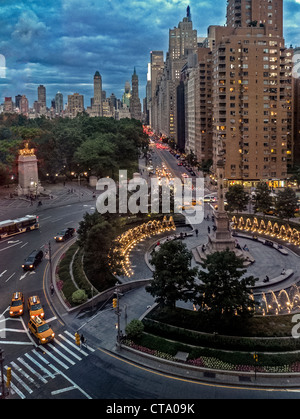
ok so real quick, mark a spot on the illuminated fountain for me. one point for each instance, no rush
(272, 229)
(128, 240)
(284, 301)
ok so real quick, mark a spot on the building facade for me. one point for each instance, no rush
(75, 104)
(135, 103)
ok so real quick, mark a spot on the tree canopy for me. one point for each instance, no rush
(173, 277)
(98, 146)
(223, 291)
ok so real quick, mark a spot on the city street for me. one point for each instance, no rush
(98, 370)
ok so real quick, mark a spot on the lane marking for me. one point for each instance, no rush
(10, 277)
(63, 390)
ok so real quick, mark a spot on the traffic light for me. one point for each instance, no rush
(115, 302)
(8, 377)
(77, 338)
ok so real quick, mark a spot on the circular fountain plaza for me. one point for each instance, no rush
(276, 252)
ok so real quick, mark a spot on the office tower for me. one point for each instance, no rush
(59, 103)
(135, 103)
(75, 104)
(252, 93)
(42, 95)
(24, 106)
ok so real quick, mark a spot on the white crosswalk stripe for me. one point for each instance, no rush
(39, 365)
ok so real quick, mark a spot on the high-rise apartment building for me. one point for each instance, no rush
(75, 104)
(296, 102)
(252, 93)
(135, 103)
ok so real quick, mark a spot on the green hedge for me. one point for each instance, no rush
(233, 343)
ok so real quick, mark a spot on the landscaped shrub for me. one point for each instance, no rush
(79, 297)
(134, 329)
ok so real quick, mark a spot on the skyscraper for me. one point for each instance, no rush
(182, 43)
(42, 95)
(98, 94)
(59, 103)
(135, 103)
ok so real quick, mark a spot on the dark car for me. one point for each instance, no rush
(64, 234)
(33, 260)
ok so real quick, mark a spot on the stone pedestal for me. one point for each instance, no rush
(28, 176)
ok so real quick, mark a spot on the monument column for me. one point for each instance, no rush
(28, 172)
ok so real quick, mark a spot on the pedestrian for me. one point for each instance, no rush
(83, 341)
(208, 230)
(52, 289)
(196, 231)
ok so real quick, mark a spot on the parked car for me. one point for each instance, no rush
(65, 234)
(33, 260)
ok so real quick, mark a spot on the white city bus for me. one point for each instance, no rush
(20, 225)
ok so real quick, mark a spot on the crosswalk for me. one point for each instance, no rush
(41, 364)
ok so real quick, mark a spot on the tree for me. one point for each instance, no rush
(237, 198)
(263, 199)
(286, 203)
(173, 278)
(223, 292)
(102, 255)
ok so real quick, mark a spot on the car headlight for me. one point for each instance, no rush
(43, 339)
(23, 266)
(31, 266)
(53, 334)
(21, 310)
(11, 312)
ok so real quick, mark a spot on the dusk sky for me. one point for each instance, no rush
(62, 43)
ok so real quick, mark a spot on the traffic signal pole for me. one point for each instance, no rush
(4, 391)
(116, 305)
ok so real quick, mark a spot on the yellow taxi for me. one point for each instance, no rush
(41, 330)
(35, 307)
(17, 304)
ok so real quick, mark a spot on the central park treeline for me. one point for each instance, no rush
(97, 146)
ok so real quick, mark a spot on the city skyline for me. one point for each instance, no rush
(62, 45)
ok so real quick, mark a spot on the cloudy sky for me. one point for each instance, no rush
(62, 43)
